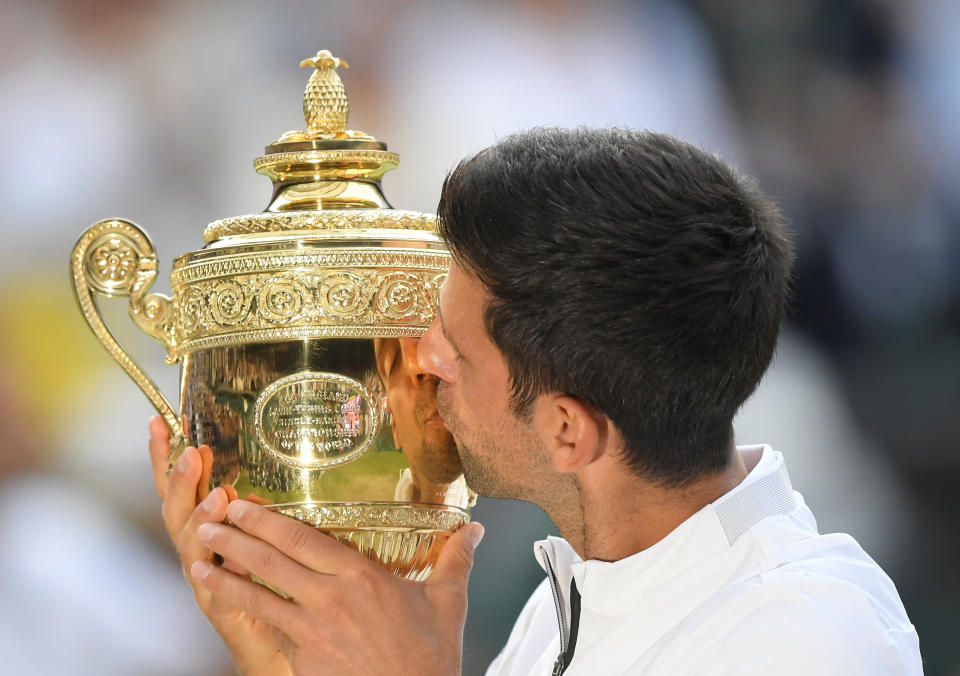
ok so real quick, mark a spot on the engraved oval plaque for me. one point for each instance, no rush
(315, 419)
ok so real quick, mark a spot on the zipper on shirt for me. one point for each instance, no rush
(563, 659)
(558, 605)
(566, 656)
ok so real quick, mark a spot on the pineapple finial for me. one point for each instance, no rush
(324, 59)
(325, 105)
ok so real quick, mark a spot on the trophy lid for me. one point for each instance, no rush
(326, 177)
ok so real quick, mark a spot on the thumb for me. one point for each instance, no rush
(456, 558)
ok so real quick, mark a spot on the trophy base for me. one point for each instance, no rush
(403, 538)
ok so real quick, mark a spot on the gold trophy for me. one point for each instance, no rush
(296, 330)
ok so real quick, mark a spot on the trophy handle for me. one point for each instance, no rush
(114, 257)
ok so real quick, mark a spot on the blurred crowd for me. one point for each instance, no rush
(848, 111)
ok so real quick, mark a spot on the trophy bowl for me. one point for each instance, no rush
(296, 330)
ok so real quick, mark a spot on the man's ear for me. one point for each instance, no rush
(385, 350)
(574, 432)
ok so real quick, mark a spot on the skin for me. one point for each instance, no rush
(252, 643)
(339, 599)
(566, 457)
(418, 430)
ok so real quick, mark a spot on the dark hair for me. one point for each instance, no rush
(631, 270)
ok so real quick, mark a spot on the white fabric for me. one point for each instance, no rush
(457, 492)
(744, 586)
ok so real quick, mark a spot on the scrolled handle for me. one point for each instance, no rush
(114, 257)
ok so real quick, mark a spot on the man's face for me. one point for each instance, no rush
(412, 400)
(501, 455)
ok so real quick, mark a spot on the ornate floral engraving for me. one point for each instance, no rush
(190, 306)
(317, 156)
(401, 295)
(114, 261)
(229, 302)
(345, 219)
(433, 291)
(342, 295)
(200, 268)
(406, 539)
(282, 299)
(376, 515)
(275, 296)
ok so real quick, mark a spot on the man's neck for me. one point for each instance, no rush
(609, 514)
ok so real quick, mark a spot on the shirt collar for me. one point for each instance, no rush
(609, 587)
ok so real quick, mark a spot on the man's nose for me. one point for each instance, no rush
(435, 355)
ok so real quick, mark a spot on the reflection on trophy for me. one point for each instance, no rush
(434, 474)
(296, 330)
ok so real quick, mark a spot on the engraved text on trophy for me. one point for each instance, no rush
(316, 420)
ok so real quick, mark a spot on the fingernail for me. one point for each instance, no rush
(184, 460)
(476, 533)
(200, 569)
(214, 501)
(236, 509)
(206, 530)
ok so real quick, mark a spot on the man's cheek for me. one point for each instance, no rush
(443, 403)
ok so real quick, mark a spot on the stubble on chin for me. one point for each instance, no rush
(445, 409)
(473, 451)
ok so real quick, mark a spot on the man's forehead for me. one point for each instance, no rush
(462, 296)
(462, 301)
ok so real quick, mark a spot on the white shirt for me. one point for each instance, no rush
(457, 493)
(744, 586)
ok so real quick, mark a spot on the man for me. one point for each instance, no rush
(615, 296)
(434, 475)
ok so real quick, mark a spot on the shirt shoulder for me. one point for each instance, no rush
(793, 621)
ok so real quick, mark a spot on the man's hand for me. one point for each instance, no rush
(345, 615)
(251, 643)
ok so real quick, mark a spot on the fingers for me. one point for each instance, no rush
(245, 552)
(456, 559)
(297, 540)
(181, 493)
(254, 599)
(286, 644)
(191, 547)
(256, 499)
(235, 567)
(159, 453)
(206, 463)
